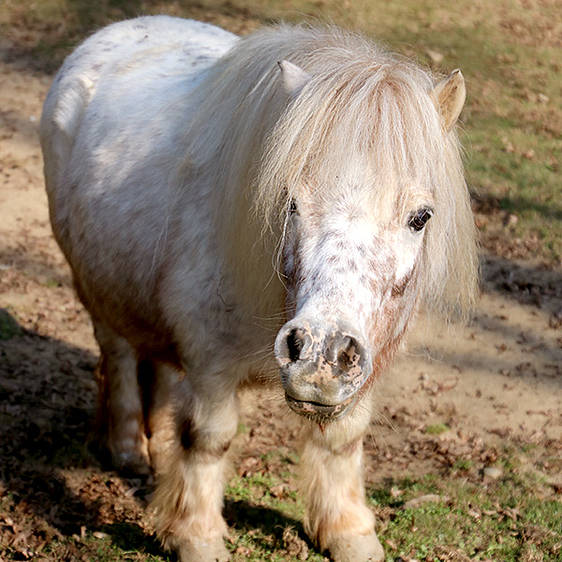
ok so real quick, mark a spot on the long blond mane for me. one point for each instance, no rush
(257, 148)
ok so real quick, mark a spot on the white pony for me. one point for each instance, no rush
(197, 187)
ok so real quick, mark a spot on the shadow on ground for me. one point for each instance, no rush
(526, 283)
(51, 476)
(48, 396)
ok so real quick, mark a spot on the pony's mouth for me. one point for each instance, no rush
(320, 412)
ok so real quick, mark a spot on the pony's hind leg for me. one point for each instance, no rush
(160, 418)
(189, 493)
(337, 516)
(120, 409)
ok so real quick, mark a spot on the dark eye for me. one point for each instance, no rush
(293, 207)
(418, 218)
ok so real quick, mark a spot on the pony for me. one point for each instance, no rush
(201, 185)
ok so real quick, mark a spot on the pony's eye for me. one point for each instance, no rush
(418, 219)
(293, 207)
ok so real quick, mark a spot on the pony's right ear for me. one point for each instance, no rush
(294, 78)
(449, 96)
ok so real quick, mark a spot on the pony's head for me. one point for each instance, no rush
(349, 157)
(371, 218)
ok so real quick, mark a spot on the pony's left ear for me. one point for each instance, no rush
(294, 78)
(449, 96)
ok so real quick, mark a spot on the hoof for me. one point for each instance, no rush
(131, 465)
(130, 460)
(127, 463)
(200, 551)
(356, 548)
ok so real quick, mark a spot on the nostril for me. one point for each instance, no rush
(294, 345)
(347, 353)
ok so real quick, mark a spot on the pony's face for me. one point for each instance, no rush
(351, 264)
(355, 229)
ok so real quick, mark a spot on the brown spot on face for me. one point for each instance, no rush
(341, 269)
(352, 266)
(399, 288)
(382, 266)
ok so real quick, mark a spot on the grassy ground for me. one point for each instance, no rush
(458, 514)
(459, 517)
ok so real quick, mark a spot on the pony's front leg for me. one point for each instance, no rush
(189, 493)
(337, 517)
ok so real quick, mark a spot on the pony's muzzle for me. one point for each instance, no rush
(321, 369)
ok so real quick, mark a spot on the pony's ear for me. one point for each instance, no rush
(449, 96)
(294, 78)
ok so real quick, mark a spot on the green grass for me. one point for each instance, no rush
(118, 544)
(259, 520)
(510, 519)
(503, 520)
(463, 464)
(52, 283)
(507, 519)
(437, 428)
(499, 520)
